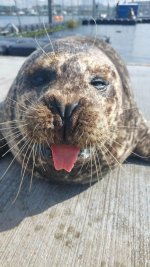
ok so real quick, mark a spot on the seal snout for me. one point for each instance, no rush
(65, 111)
(53, 118)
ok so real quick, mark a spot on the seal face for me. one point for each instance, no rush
(70, 114)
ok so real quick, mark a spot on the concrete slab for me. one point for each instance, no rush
(106, 225)
(9, 67)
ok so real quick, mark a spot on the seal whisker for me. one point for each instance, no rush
(22, 178)
(17, 102)
(96, 165)
(124, 108)
(118, 163)
(35, 129)
(96, 32)
(48, 144)
(128, 127)
(83, 163)
(110, 144)
(14, 107)
(131, 152)
(108, 152)
(98, 162)
(91, 166)
(41, 155)
(23, 146)
(40, 47)
(104, 155)
(14, 145)
(11, 140)
(31, 117)
(12, 134)
(28, 142)
(33, 107)
(42, 148)
(32, 103)
(49, 38)
(21, 106)
(12, 121)
(107, 97)
(142, 157)
(12, 128)
(34, 150)
(80, 135)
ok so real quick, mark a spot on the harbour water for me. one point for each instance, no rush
(131, 42)
(4, 20)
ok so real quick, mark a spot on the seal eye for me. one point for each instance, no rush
(99, 83)
(43, 77)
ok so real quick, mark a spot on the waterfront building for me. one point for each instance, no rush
(144, 8)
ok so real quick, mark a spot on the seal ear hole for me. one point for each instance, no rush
(43, 77)
(99, 83)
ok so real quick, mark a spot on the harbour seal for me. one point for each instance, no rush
(70, 114)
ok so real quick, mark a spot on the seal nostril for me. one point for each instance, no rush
(69, 109)
(60, 108)
(57, 106)
(65, 112)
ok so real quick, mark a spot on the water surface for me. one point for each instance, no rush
(131, 42)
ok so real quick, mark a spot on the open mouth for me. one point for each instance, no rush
(65, 156)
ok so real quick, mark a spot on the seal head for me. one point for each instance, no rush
(72, 112)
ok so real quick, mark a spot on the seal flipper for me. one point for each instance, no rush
(142, 149)
(3, 143)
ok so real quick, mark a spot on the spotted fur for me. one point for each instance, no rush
(107, 126)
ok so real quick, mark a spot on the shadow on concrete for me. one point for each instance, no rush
(137, 160)
(42, 196)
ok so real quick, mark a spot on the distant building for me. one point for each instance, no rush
(126, 11)
(7, 10)
(144, 8)
(86, 10)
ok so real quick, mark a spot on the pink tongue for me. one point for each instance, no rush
(64, 156)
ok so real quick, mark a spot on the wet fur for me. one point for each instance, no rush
(108, 125)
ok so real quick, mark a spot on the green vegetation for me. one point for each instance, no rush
(72, 24)
(42, 32)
